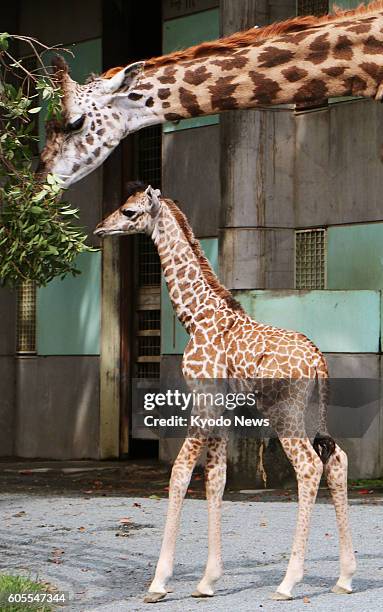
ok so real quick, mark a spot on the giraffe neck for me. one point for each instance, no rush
(194, 289)
(340, 57)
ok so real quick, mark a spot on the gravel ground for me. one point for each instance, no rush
(72, 542)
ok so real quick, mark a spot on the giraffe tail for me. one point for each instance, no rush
(323, 444)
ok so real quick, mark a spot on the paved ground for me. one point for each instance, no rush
(78, 543)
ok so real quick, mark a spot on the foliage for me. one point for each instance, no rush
(38, 236)
(9, 585)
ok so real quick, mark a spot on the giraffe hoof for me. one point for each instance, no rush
(198, 593)
(154, 597)
(277, 596)
(339, 590)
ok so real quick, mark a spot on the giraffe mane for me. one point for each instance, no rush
(205, 266)
(243, 39)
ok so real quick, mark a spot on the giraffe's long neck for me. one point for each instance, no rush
(194, 290)
(336, 58)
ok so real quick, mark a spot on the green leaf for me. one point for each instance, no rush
(4, 36)
(32, 111)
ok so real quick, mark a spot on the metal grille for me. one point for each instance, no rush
(148, 332)
(148, 370)
(149, 156)
(312, 7)
(149, 268)
(149, 319)
(310, 259)
(26, 318)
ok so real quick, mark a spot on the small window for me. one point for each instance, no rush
(310, 259)
(26, 318)
(312, 7)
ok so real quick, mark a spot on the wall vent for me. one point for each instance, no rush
(310, 259)
(26, 318)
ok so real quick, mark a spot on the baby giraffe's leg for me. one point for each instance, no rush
(215, 476)
(179, 482)
(308, 468)
(336, 473)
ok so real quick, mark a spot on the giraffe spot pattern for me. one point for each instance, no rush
(163, 93)
(189, 101)
(314, 90)
(273, 56)
(319, 49)
(294, 74)
(197, 76)
(222, 93)
(266, 89)
(373, 46)
(343, 48)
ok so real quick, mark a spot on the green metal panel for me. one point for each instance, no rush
(345, 4)
(68, 311)
(337, 321)
(184, 32)
(87, 59)
(355, 256)
(173, 336)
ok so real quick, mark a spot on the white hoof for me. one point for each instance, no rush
(198, 593)
(339, 590)
(154, 597)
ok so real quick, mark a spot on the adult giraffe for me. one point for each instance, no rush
(225, 343)
(301, 60)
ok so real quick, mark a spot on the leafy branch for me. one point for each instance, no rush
(39, 238)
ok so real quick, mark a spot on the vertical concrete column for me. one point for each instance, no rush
(251, 179)
(257, 169)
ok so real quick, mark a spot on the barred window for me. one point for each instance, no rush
(310, 259)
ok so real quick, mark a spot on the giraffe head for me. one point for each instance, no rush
(95, 117)
(138, 215)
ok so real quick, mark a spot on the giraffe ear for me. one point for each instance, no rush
(124, 79)
(153, 196)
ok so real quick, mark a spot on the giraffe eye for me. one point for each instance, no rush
(76, 125)
(129, 213)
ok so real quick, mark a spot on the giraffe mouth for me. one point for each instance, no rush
(102, 232)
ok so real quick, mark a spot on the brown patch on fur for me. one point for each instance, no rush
(360, 28)
(173, 117)
(295, 27)
(206, 268)
(168, 77)
(319, 49)
(273, 56)
(355, 86)
(163, 93)
(135, 96)
(89, 139)
(237, 61)
(266, 89)
(221, 93)
(314, 90)
(190, 102)
(294, 74)
(373, 70)
(373, 46)
(334, 71)
(343, 48)
(197, 76)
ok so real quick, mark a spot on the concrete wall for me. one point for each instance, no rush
(57, 407)
(7, 371)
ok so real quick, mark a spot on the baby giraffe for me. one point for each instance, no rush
(225, 343)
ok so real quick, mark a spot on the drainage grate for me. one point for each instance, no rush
(26, 318)
(312, 7)
(310, 259)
